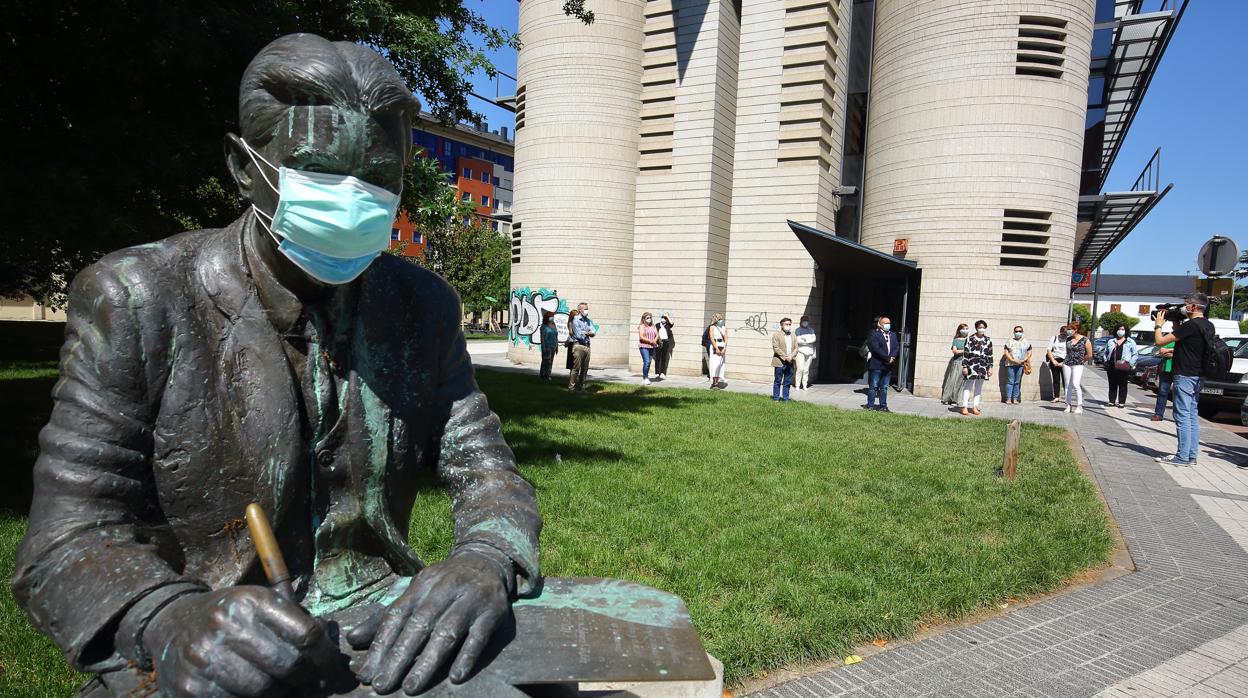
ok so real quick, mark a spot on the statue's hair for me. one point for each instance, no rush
(306, 70)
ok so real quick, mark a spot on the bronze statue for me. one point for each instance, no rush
(279, 360)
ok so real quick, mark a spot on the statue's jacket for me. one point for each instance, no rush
(176, 407)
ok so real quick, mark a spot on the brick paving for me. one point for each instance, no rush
(1176, 626)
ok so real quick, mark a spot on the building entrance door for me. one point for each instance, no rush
(860, 284)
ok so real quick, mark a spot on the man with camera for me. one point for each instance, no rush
(1191, 340)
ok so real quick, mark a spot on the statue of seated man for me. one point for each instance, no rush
(281, 360)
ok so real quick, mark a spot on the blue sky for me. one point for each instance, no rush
(1195, 111)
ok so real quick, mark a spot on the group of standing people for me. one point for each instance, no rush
(791, 355)
(971, 363)
(580, 335)
(655, 341)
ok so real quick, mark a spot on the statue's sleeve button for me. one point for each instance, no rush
(325, 458)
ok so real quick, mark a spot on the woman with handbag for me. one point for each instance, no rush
(1120, 358)
(1078, 353)
(1017, 359)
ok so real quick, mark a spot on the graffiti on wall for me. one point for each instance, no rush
(756, 322)
(527, 307)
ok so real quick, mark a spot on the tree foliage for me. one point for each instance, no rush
(1083, 315)
(1111, 320)
(475, 259)
(115, 111)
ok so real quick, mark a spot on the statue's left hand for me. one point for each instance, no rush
(453, 604)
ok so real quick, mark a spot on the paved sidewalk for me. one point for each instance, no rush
(1176, 626)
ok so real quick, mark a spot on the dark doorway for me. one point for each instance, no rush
(860, 284)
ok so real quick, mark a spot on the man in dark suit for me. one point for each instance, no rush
(222, 367)
(884, 351)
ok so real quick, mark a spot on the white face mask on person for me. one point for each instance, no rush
(1121, 333)
(980, 330)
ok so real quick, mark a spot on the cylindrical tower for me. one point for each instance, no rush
(974, 151)
(578, 101)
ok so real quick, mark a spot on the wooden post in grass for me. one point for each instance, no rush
(1012, 435)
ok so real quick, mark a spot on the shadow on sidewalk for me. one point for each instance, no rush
(1131, 446)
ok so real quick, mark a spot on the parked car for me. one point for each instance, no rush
(1098, 349)
(1243, 413)
(1229, 390)
(1147, 358)
(1149, 377)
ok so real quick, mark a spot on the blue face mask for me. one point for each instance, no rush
(887, 326)
(331, 226)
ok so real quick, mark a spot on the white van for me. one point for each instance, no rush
(1226, 328)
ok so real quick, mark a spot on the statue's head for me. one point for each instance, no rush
(315, 106)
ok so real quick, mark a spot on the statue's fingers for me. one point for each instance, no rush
(404, 650)
(236, 676)
(479, 634)
(361, 636)
(451, 631)
(393, 620)
(273, 655)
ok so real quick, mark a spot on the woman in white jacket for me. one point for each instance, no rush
(805, 353)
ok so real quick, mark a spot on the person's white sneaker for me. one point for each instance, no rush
(645, 381)
(1079, 409)
(1066, 409)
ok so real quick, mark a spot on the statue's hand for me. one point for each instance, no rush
(241, 641)
(453, 604)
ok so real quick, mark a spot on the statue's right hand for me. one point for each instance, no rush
(241, 641)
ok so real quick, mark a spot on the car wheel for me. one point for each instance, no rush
(1207, 410)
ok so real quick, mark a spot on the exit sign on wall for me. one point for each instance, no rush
(901, 245)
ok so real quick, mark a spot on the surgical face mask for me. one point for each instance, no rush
(1122, 333)
(962, 332)
(647, 320)
(980, 330)
(786, 328)
(886, 326)
(1018, 335)
(719, 323)
(805, 323)
(1070, 333)
(331, 226)
(1186, 312)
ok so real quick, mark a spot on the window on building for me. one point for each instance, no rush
(1115, 308)
(446, 148)
(485, 200)
(1143, 310)
(463, 149)
(495, 182)
(466, 196)
(467, 173)
(496, 203)
(485, 177)
(417, 237)
(394, 234)
(494, 226)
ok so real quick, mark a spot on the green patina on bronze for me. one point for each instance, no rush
(614, 598)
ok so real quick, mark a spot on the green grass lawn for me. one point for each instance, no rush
(486, 337)
(793, 531)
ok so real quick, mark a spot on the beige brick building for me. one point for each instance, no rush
(938, 161)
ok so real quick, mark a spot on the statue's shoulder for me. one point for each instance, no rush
(402, 276)
(156, 260)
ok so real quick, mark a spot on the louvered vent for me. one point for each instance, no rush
(1041, 46)
(658, 87)
(807, 82)
(515, 242)
(1025, 238)
(519, 107)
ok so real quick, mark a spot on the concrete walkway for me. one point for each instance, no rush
(1176, 626)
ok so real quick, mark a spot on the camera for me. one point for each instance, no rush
(1174, 312)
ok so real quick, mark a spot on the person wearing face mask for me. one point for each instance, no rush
(1120, 358)
(1054, 358)
(783, 357)
(884, 348)
(1078, 351)
(1191, 340)
(550, 343)
(582, 333)
(1017, 356)
(976, 367)
(806, 338)
(716, 342)
(667, 342)
(268, 361)
(951, 387)
(647, 344)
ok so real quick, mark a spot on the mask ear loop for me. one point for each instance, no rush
(256, 159)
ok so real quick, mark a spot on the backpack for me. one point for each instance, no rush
(863, 351)
(706, 337)
(1217, 358)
